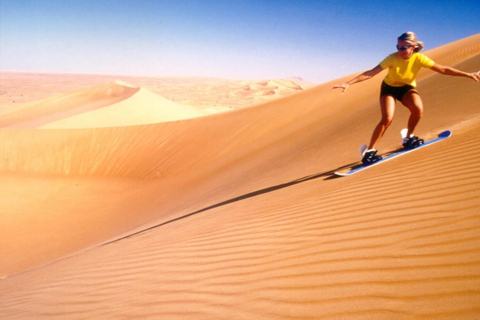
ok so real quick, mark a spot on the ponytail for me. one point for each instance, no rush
(419, 46)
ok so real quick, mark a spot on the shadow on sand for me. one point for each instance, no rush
(328, 175)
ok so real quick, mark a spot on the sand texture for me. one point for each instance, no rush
(120, 202)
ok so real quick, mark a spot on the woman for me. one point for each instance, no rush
(399, 84)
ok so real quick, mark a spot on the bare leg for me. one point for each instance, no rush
(414, 103)
(387, 106)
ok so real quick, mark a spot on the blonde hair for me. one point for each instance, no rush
(411, 38)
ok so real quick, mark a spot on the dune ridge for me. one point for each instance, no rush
(207, 94)
(241, 217)
(110, 105)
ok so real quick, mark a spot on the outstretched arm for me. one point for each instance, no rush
(364, 76)
(449, 71)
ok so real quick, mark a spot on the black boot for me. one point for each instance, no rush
(370, 157)
(412, 142)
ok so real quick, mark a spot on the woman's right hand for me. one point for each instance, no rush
(343, 86)
(364, 76)
(476, 76)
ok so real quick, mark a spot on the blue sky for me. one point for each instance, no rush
(237, 39)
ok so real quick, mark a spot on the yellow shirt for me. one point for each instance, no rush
(404, 71)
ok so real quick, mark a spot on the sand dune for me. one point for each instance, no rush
(271, 87)
(237, 215)
(206, 94)
(110, 105)
(235, 94)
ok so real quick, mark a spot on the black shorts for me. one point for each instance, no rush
(396, 92)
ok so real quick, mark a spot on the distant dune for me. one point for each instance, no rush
(111, 105)
(21, 89)
(119, 201)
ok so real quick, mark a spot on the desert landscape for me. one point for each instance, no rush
(202, 198)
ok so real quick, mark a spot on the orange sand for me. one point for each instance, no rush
(119, 203)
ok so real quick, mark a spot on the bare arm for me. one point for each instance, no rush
(364, 76)
(449, 71)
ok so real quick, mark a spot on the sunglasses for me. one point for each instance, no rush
(403, 48)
